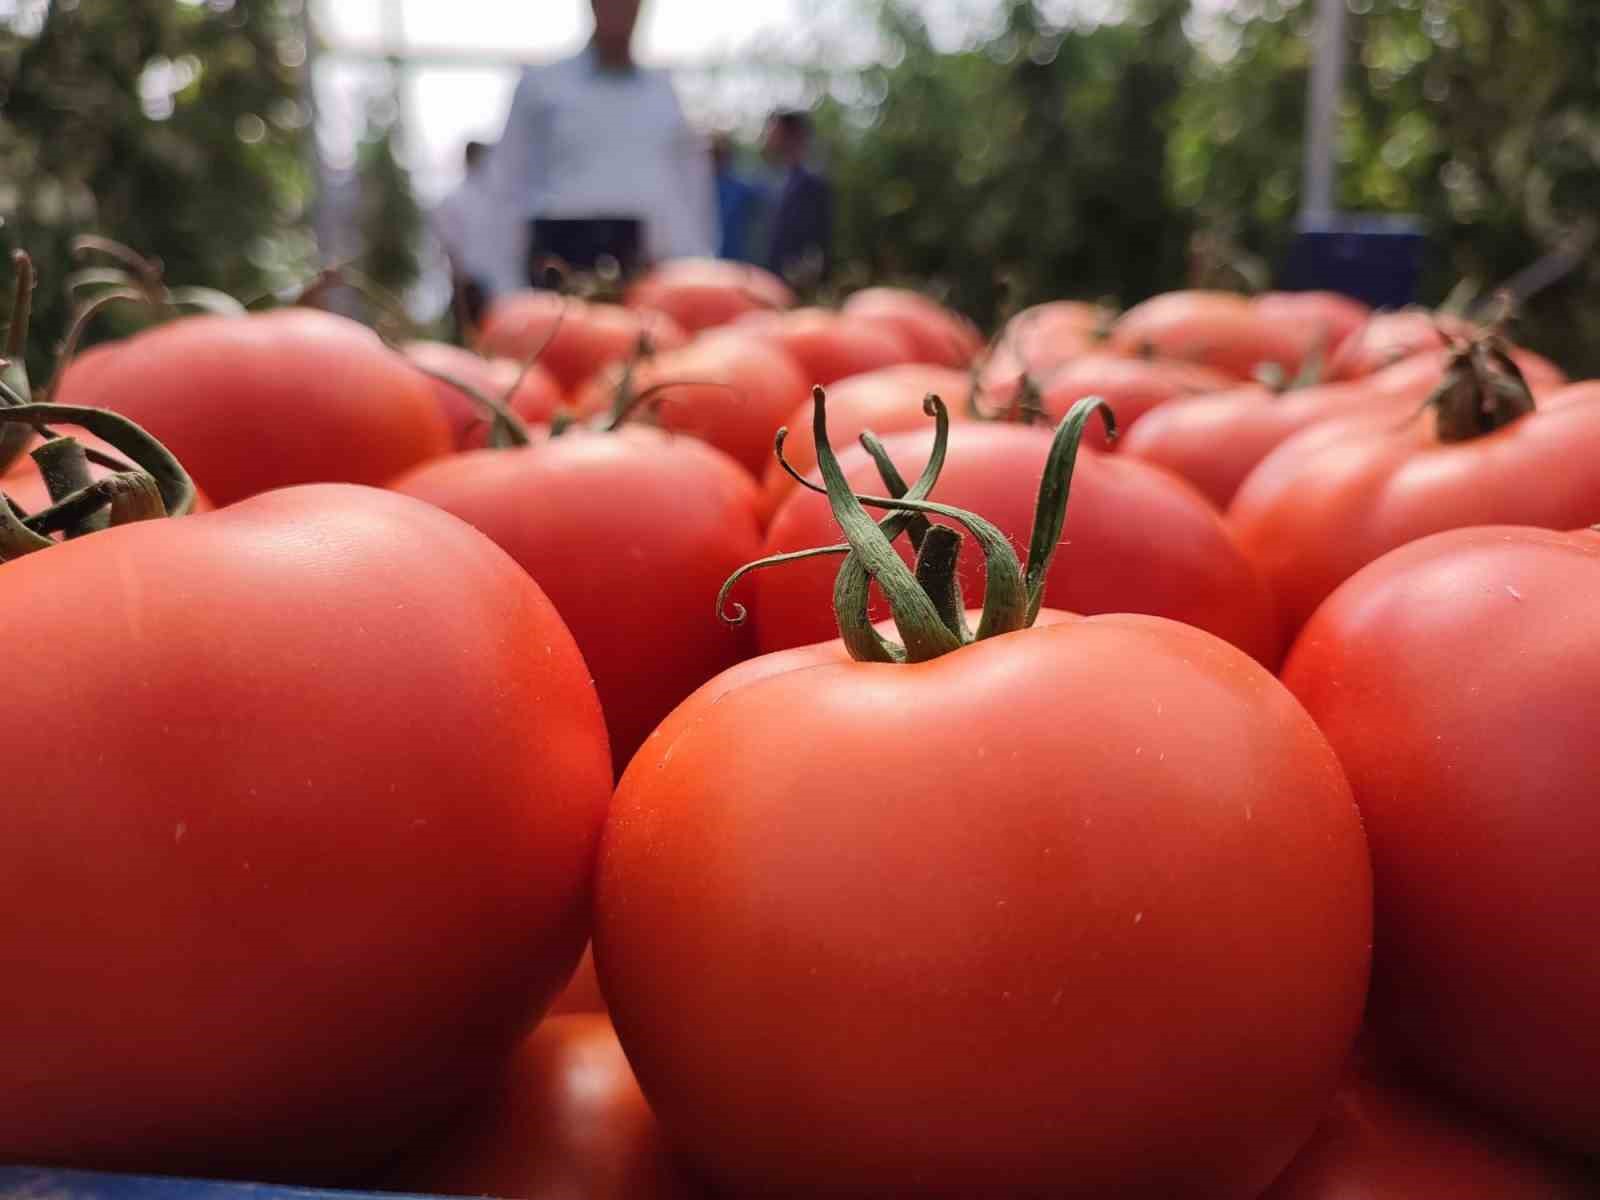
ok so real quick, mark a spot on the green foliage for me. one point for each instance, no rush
(174, 126)
(1027, 168)
(391, 220)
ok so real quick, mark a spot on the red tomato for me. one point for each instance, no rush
(1333, 498)
(1216, 329)
(726, 388)
(1456, 679)
(1131, 387)
(536, 399)
(1382, 1139)
(567, 1120)
(1039, 339)
(575, 338)
(248, 404)
(830, 346)
(582, 993)
(1388, 337)
(1137, 540)
(1322, 320)
(937, 334)
(883, 402)
(313, 845)
(631, 535)
(1015, 921)
(699, 293)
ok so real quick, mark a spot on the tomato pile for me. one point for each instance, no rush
(1141, 756)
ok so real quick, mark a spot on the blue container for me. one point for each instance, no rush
(1377, 259)
(30, 1183)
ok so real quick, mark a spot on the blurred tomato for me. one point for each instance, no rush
(699, 293)
(536, 399)
(577, 337)
(937, 334)
(1215, 329)
(830, 346)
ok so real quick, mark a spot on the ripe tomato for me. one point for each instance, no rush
(884, 402)
(1132, 387)
(830, 346)
(253, 403)
(699, 293)
(1215, 329)
(726, 388)
(309, 844)
(574, 338)
(1136, 540)
(1455, 678)
(1384, 1138)
(1001, 963)
(1037, 340)
(582, 993)
(630, 534)
(1388, 337)
(937, 334)
(536, 399)
(567, 1119)
(1323, 320)
(1333, 498)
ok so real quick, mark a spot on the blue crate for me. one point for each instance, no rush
(1377, 259)
(33, 1183)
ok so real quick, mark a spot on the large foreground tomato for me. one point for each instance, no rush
(1385, 1139)
(937, 334)
(266, 401)
(1080, 911)
(1076, 909)
(565, 1122)
(699, 293)
(1136, 540)
(573, 338)
(726, 387)
(1332, 499)
(630, 534)
(1215, 329)
(1456, 679)
(307, 845)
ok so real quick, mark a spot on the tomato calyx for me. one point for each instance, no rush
(925, 603)
(14, 439)
(1483, 390)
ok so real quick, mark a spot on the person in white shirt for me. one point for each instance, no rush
(597, 136)
(459, 222)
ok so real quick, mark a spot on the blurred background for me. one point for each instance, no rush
(992, 152)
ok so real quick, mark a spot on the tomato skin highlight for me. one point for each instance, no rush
(271, 400)
(566, 1119)
(1383, 1137)
(1136, 540)
(630, 535)
(309, 845)
(1337, 496)
(994, 924)
(1455, 678)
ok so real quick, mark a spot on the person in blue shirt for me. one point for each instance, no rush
(800, 246)
(738, 202)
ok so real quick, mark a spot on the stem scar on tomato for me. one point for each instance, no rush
(925, 601)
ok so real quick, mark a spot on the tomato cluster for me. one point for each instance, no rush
(1155, 756)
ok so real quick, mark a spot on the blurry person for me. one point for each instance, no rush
(461, 222)
(738, 202)
(801, 239)
(597, 160)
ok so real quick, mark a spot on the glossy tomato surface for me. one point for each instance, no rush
(252, 403)
(308, 846)
(573, 338)
(631, 535)
(1334, 498)
(937, 334)
(1456, 679)
(566, 1121)
(727, 388)
(699, 293)
(1080, 911)
(1136, 540)
(1383, 1138)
